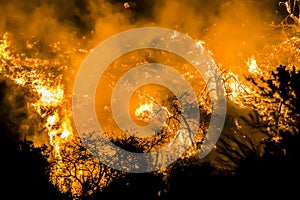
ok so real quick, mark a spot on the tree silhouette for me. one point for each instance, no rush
(283, 156)
(259, 151)
(78, 173)
(278, 167)
(24, 166)
(26, 174)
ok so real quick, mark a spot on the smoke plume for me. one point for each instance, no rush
(231, 29)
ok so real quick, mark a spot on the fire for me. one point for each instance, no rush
(37, 75)
(4, 52)
(67, 131)
(252, 66)
(50, 96)
(126, 5)
(144, 112)
(52, 119)
(237, 90)
(43, 77)
(50, 104)
(71, 165)
(34, 74)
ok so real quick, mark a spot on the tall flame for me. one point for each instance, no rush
(30, 73)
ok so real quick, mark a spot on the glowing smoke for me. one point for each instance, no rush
(231, 29)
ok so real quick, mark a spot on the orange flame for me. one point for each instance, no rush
(51, 97)
(144, 112)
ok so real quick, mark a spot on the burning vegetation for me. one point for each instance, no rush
(259, 61)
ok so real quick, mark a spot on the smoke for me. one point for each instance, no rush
(55, 32)
(231, 29)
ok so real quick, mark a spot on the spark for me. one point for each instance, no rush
(126, 5)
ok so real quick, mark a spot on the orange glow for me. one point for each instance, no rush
(144, 112)
(252, 66)
(232, 37)
(126, 5)
(49, 101)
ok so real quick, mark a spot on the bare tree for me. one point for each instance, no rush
(77, 172)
